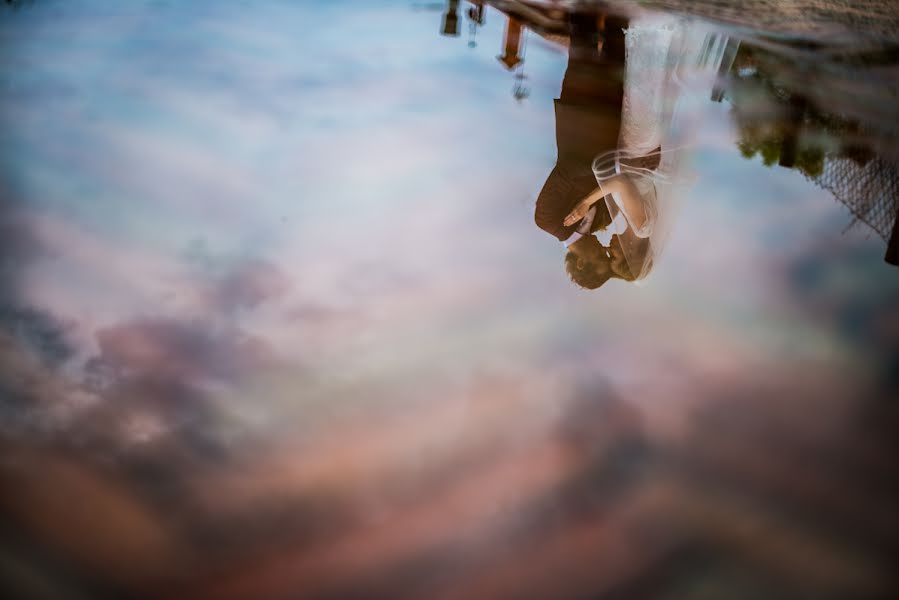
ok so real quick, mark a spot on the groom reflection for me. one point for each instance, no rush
(588, 120)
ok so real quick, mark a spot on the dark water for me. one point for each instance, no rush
(277, 319)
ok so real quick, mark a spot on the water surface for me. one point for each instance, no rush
(276, 319)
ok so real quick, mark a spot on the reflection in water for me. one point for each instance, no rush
(236, 361)
(475, 19)
(619, 112)
(779, 122)
(451, 19)
(665, 55)
(588, 118)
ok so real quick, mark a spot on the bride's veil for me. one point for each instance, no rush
(665, 57)
(661, 190)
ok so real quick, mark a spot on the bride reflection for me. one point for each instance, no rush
(615, 189)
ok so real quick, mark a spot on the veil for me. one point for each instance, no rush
(661, 191)
(665, 58)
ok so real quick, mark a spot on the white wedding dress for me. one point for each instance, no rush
(665, 57)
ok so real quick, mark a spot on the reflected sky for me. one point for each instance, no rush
(275, 315)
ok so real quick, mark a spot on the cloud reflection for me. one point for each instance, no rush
(287, 330)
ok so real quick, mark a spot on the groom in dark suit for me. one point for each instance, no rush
(588, 119)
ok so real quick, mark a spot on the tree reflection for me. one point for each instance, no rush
(779, 123)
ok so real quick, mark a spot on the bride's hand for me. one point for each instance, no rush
(578, 212)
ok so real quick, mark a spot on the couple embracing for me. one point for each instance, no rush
(611, 195)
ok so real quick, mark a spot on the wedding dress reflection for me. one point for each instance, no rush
(619, 220)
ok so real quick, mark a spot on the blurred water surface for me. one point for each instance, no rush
(276, 320)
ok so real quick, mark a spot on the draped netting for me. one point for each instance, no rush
(870, 190)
